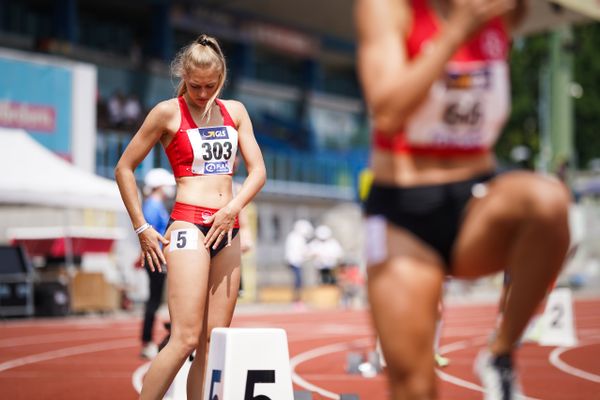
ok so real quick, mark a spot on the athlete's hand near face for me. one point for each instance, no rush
(467, 16)
(384, 66)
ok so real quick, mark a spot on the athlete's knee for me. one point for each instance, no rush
(416, 386)
(186, 340)
(549, 202)
(411, 367)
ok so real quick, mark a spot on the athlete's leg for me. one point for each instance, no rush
(156, 285)
(440, 360)
(223, 286)
(404, 292)
(187, 282)
(522, 223)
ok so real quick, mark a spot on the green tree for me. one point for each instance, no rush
(587, 108)
(528, 55)
(523, 128)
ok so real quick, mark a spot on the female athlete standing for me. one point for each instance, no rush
(201, 135)
(435, 76)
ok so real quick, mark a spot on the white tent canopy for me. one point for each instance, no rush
(543, 15)
(32, 174)
(585, 7)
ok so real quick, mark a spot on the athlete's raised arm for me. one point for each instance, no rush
(392, 83)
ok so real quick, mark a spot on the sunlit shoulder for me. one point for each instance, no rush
(165, 115)
(236, 109)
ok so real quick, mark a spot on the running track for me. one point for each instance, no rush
(96, 357)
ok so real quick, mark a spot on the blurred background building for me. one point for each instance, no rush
(80, 75)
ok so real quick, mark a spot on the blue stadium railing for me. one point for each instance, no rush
(293, 172)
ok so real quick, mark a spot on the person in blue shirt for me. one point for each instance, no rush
(159, 186)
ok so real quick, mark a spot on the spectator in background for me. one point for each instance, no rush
(132, 112)
(159, 186)
(351, 281)
(327, 253)
(136, 53)
(115, 105)
(296, 253)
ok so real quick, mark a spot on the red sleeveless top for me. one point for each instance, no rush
(203, 151)
(467, 106)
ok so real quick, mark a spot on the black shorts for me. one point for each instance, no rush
(204, 229)
(433, 213)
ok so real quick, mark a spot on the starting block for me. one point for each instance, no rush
(248, 363)
(358, 365)
(353, 361)
(557, 323)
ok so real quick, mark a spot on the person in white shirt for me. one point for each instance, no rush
(115, 107)
(296, 253)
(132, 111)
(327, 253)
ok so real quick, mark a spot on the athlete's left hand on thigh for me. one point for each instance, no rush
(222, 227)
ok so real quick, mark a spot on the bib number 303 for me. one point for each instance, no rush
(216, 151)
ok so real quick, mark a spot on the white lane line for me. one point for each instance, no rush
(329, 331)
(138, 376)
(457, 381)
(67, 352)
(461, 345)
(318, 352)
(456, 346)
(60, 337)
(75, 323)
(555, 360)
(349, 330)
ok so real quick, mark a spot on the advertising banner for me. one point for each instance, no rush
(37, 98)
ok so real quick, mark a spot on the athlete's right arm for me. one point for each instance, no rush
(392, 84)
(154, 127)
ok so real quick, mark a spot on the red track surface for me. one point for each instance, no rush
(95, 358)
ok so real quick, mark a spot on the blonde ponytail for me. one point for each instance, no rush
(204, 52)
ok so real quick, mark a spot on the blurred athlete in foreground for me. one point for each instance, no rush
(435, 77)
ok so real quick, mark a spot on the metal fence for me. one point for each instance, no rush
(320, 169)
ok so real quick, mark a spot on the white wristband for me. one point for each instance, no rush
(143, 228)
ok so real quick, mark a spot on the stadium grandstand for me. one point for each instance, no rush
(293, 68)
(77, 78)
(297, 81)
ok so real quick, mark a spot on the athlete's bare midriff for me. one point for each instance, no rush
(412, 170)
(205, 191)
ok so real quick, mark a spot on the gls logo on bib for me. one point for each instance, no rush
(212, 133)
